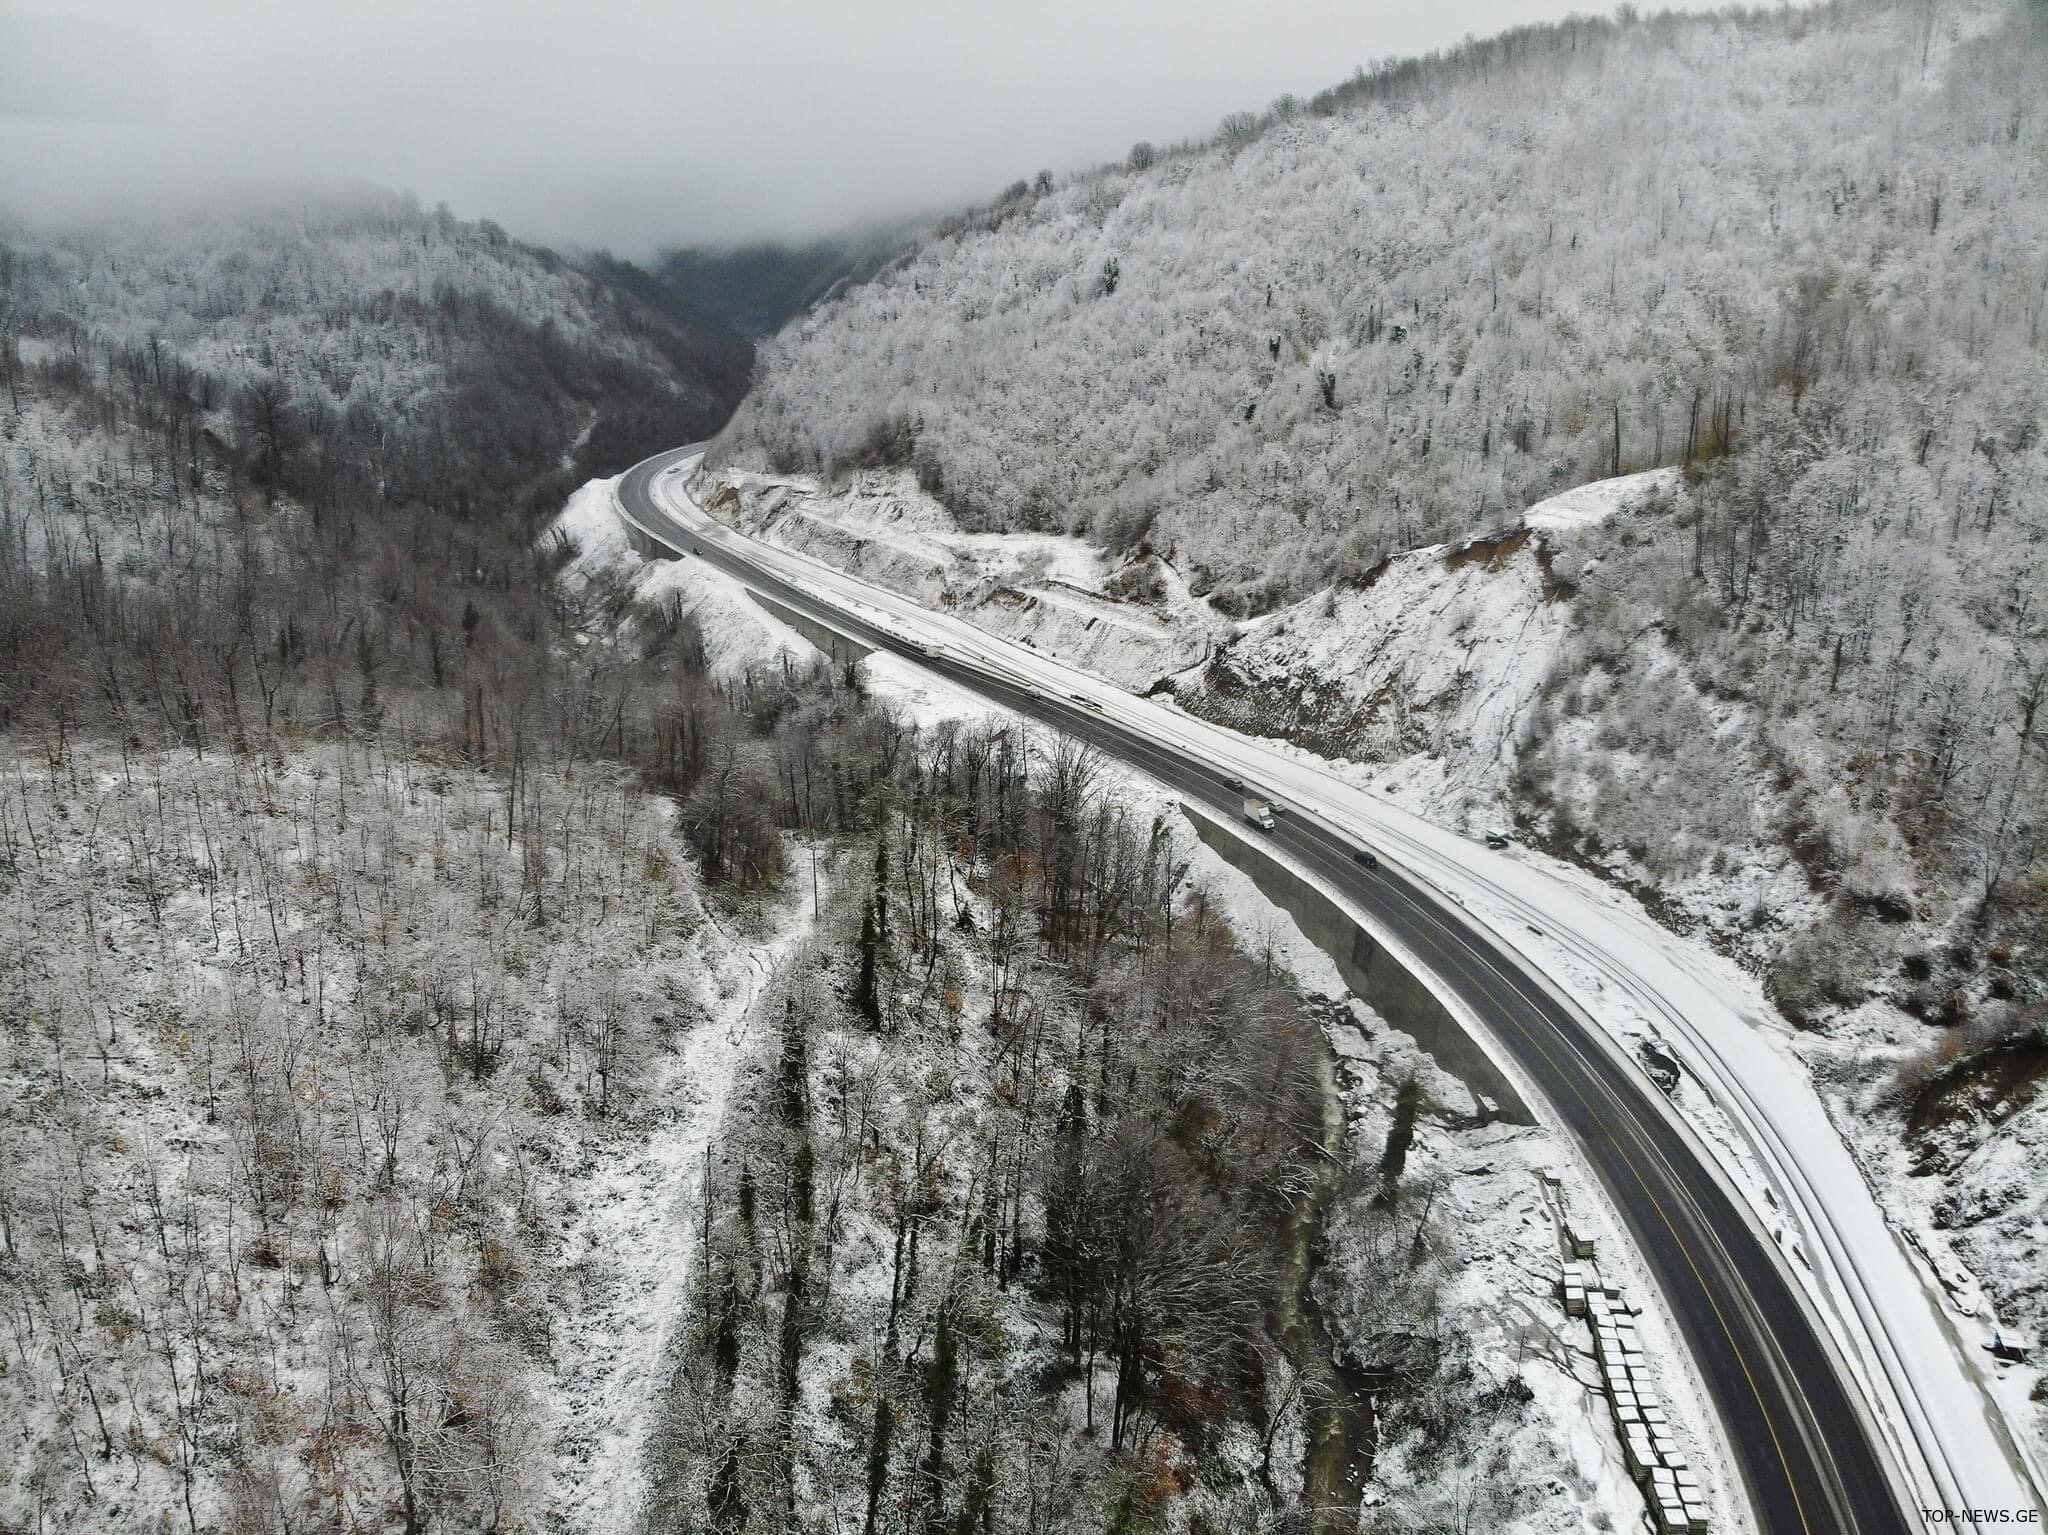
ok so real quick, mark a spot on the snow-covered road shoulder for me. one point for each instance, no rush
(643, 600)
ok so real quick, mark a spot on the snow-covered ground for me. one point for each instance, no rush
(1949, 1419)
(1427, 670)
(1587, 506)
(1964, 1183)
(627, 1259)
(1132, 621)
(739, 634)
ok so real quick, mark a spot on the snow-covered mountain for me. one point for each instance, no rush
(1344, 371)
(1402, 314)
(366, 346)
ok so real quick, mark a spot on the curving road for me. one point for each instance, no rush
(1805, 1450)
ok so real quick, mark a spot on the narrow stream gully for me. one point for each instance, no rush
(1341, 1426)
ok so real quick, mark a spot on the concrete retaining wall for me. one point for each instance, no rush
(1373, 973)
(836, 646)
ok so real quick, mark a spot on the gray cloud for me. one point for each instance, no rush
(632, 124)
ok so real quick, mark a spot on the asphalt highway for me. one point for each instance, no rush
(1804, 1450)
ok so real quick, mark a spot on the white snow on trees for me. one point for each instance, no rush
(321, 1094)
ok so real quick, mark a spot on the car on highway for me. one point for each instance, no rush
(1366, 857)
(1085, 701)
(1234, 783)
(1496, 840)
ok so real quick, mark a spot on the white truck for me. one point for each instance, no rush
(1259, 812)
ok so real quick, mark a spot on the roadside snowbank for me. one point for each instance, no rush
(644, 597)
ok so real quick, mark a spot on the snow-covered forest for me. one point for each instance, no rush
(352, 930)
(494, 1036)
(309, 1053)
(364, 347)
(387, 917)
(1797, 253)
(1018, 1224)
(331, 1066)
(1409, 307)
(1791, 693)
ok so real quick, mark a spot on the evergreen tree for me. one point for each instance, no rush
(725, 1339)
(878, 1458)
(895, 1284)
(803, 1181)
(882, 889)
(941, 1380)
(795, 1079)
(977, 1504)
(791, 1343)
(727, 1499)
(867, 996)
(1065, 1213)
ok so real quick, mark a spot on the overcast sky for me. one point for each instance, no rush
(638, 123)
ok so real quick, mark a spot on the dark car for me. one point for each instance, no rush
(1496, 840)
(1233, 783)
(1366, 857)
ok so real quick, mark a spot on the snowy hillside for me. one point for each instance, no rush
(1425, 668)
(1438, 293)
(1442, 293)
(1129, 618)
(333, 1088)
(366, 346)
(1361, 369)
(1435, 679)
(643, 604)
